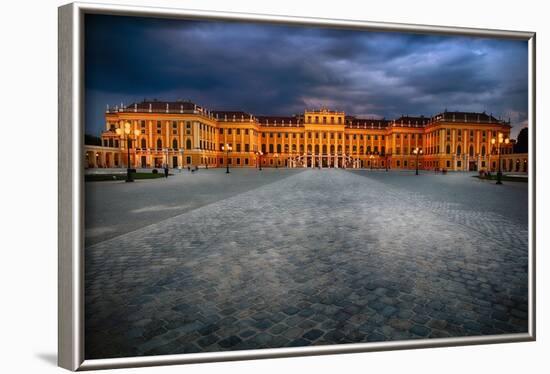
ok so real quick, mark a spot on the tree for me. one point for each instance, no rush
(522, 143)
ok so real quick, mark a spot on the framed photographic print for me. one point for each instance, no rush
(240, 186)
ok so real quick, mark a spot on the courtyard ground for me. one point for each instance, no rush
(283, 258)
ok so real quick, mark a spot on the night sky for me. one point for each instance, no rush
(281, 70)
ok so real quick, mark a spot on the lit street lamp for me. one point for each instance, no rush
(417, 151)
(260, 154)
(500, 140)
(128, 131)
(228, 149)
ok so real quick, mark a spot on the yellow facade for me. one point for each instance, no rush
(182, 134)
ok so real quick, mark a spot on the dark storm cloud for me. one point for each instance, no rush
(275, 69)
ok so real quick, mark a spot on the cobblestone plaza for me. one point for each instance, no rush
(210, 261)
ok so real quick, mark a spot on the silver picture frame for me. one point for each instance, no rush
(71, 188)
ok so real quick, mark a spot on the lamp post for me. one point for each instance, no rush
(127, 131)
(371, 157)
(260, 154)
(165, 154)
(227, 148)
(417, 151)
(500, 140)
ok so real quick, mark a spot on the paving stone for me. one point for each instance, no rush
(313, 334)
(420, 330)
(230, 341)
(291, 310)
(207, 340)
(299, 343)
(293, 332)
(247, 333)
(375, 337)
(451, 260)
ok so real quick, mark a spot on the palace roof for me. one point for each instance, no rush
(297, 120)
(231, 115)
(155, 106)
(366, 123)
(466, 117)
(290, 121)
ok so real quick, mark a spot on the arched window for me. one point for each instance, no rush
(317, 148)
(383, 150)
(332, 148)
(339, 149)
(159, 143)
(483, 150)
(448, 149)
(368, 148)
(188, 144)
(458, 150)
(309, 148)
(143, 143)
(471, 151)
(175, 144)
(301, 148)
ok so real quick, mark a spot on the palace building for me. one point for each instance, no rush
(182, 134)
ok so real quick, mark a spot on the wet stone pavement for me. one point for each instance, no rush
(319, 257)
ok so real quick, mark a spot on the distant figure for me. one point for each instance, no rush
(189, 167)
(196, 168)
(165, 171)
(207, 166)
